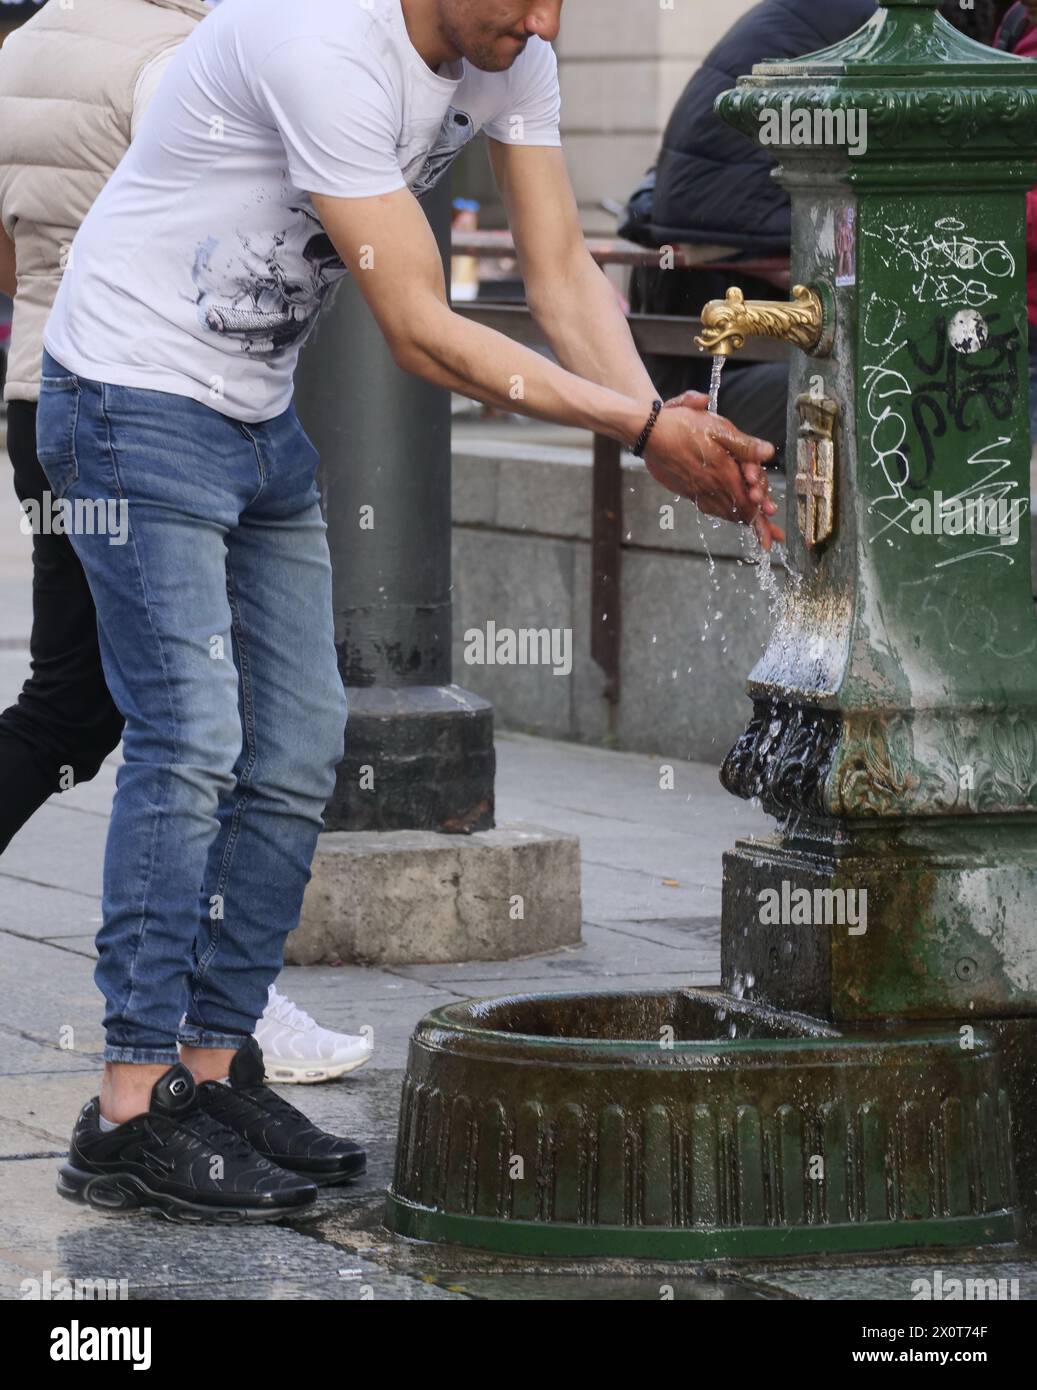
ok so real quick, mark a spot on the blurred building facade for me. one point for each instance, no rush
(623, 65)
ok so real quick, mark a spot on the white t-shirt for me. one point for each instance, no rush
(202, 266)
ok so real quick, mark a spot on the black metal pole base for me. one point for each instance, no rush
(418, 757)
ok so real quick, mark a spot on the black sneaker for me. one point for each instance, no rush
(276, 1129)
(166, 1161)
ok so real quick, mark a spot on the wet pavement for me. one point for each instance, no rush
(344, 1252)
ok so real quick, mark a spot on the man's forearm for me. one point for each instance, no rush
(478, 362)
(406, 291)
(587, 330)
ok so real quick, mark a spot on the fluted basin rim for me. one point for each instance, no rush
(474, 1028)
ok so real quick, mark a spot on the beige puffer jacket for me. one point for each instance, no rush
(67, 81)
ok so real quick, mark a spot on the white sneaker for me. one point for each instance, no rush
(297, 1049)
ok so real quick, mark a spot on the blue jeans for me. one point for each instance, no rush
(216, 632)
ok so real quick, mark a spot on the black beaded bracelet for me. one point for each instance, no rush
(646, 434)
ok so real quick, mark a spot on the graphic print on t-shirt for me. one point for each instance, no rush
(247, 290)
(248, 293)
(425, 170)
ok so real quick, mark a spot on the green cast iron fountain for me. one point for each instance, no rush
(864, 1077)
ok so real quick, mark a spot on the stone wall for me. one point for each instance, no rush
(694, 617)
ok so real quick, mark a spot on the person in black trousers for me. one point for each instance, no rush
(64, 723)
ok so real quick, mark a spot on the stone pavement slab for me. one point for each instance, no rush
(605, 954)
(59, 848)
(49, 994)
(25, 1056)
(40, 910)
(343, 985)
(157, 1259)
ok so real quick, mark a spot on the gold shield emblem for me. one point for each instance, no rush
(815, 468)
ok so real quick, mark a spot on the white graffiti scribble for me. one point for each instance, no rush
(887, 433)
(988, 490)
(950, 266)
(887, 428)
(1007, 490)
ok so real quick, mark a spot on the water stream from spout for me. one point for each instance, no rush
(714, 623)
(714, 382)
(774, 594)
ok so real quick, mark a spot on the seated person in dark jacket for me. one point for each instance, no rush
(713, 186)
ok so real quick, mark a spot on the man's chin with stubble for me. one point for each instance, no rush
(498, 55)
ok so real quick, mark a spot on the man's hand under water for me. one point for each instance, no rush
(705, 458)
(599, 382)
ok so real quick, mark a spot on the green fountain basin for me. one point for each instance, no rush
(637, 1125)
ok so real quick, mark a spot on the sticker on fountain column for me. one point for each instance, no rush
(968, 331)
(846, 247)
